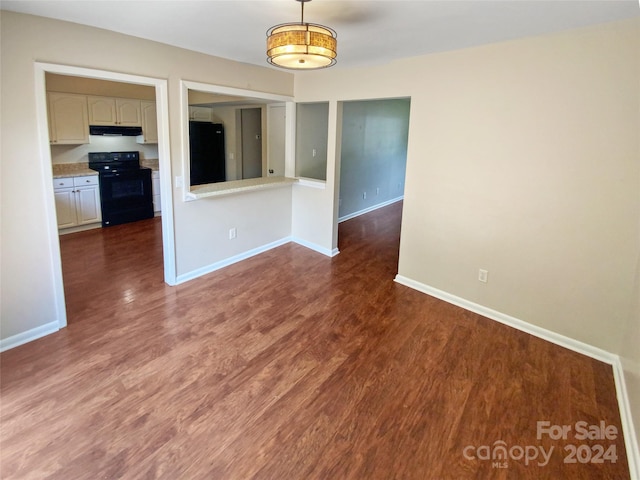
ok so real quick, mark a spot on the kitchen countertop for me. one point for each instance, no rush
(237, 186)
(61, 170)
(81, 169)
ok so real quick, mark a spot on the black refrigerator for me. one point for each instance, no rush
(206, 149)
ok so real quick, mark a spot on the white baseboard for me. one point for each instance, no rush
(631, 442)
(79, 228)
(553, 337)
(28, 336)
(370, 209)
(626, 416)
(315, 247)
(185, 277)
(230, 261)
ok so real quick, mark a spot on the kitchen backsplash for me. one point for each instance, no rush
(152, 163)
(79, 153)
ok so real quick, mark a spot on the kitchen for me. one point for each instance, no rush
(89, 119)
(81, 111)
(103, 140)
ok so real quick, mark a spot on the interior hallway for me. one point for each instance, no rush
(287, 365)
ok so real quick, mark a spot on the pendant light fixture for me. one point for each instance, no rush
(301, 46)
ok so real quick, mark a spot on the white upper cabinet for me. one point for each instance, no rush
(67, 118)
(128, 112)
(102, 111)
(114, 111)
(201, 114)
(149, 122)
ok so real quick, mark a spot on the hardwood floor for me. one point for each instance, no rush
(289, 365)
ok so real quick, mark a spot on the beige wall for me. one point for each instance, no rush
(315, 210)
(201, 233)
(631, 353)
(523, 160)
(91, 86)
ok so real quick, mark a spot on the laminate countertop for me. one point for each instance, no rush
(81, 169)
(61, 170)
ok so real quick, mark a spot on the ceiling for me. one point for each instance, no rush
(369, 32)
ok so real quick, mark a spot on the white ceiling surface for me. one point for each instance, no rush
(369, 32)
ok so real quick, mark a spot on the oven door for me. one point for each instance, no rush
(126, 196)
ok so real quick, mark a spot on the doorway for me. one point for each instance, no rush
(251, 138)
(161, 97)
(373, 160)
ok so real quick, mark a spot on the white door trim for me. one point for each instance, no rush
(162, 103)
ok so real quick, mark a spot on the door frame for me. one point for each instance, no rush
(186, 85)
(164, 159)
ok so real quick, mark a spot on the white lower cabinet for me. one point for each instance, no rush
(88, 205)
(66, 207)
(77, 201)
(155, 189)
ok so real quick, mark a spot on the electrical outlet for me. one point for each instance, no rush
(364, 195)
(232, 233)
(483, 275)
(179, 181)
(377, 190)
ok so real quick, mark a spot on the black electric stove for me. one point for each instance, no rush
(125, 187)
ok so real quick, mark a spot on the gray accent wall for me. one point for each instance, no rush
(374, 153)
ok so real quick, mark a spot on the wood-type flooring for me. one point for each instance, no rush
(289, 366)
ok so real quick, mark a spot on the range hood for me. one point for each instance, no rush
(114, 130)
